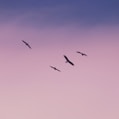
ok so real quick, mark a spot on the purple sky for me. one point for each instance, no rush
(30, 89)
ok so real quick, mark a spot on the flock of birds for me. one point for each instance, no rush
(66, 58)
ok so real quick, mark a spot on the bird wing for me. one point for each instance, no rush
(58, 70)
(82, 53)
(55, 68)
(85, 54)
(24, 41)
(79, 52)
(26, 44)
(52, 67)
(68, 60)
(71, 63)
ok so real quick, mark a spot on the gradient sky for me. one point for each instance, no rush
(30, 89)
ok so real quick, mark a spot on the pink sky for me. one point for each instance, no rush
(29, 89)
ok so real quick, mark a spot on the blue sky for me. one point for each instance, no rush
(85, 12)
(74, 17)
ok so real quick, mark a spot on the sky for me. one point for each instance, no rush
(29, 88)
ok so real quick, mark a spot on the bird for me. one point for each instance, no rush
(68, 61)
(26, 44)
(83, 54)
(55, 68)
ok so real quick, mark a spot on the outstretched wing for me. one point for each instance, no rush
(52, 67)
(71, 63)
(67, 60)
(79, 52)
(83, 54)
(58, 70)
(23, 41)
(26, 44)
(29, 46)
(55, 68)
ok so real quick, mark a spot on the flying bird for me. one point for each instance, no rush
(83, 54)
(68, 61)
(26, 44)
(55, 68)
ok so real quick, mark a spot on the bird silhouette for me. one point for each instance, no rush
(68, 61)
(26, 44)
(55, 68)
(83, 54)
